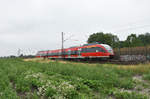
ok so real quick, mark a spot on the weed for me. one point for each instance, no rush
(20, 79)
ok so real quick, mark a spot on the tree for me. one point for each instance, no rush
(133, 41)
(145, 38)
(107, 38)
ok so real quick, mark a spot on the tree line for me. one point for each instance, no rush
(132, 40)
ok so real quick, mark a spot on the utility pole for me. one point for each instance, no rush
(64, 40)
(62, 49)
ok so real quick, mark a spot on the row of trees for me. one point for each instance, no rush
(132, 40)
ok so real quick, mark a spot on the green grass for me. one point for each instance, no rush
(34, 80)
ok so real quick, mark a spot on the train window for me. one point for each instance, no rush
(90, 50)
(52, 54)
(83, 50)
(43, 55)
(93, 49)
(103, 50)
(76, 52)
(64, 53)
(100, 49)
(73, 52)
(108, 48)
(56, 54)
(59, 53)
(69, 52)
(49, 54)
(86, 50)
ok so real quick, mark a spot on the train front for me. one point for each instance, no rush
(109, 50)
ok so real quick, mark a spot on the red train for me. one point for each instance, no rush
(87, 51)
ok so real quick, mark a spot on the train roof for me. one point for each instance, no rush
(91, 44)
(76, 47)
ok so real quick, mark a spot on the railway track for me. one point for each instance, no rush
(111, 61)
(121, 62)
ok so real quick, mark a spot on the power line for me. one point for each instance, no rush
(138, 27)
(68, 38)
(130, 23)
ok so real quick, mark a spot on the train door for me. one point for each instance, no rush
(79, 52)
(69, 53)
(59, 54)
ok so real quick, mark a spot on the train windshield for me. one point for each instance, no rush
(109, 49)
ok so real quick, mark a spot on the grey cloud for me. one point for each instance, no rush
(37, 24)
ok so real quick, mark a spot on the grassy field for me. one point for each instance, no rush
(42, 79)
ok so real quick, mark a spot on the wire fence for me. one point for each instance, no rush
(139, 54)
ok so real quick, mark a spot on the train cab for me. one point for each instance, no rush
(108, 49)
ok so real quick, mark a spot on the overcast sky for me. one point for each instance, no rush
(33, 25)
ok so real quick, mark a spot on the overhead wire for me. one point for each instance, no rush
(133, 28)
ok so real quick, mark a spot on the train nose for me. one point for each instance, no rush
(111, 52)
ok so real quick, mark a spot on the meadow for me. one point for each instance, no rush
(46, 79)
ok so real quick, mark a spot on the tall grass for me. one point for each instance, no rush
(58, 80)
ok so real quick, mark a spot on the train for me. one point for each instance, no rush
(86, 51)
